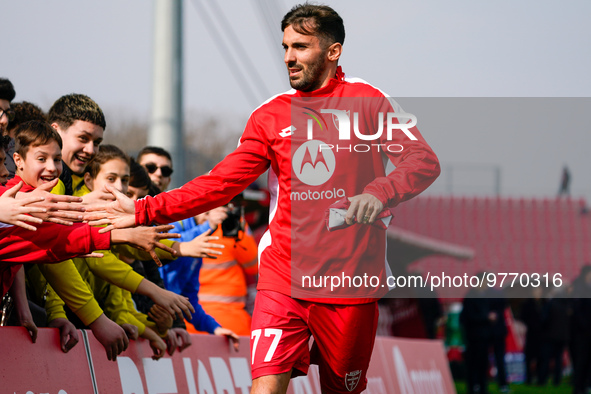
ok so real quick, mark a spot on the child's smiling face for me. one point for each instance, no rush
(114, 173)
(40, 165)
(80, 144)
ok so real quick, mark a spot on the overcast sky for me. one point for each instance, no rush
(457, 48)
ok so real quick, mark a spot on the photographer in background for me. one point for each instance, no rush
(223, 292)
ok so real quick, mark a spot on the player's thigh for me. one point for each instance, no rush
(343, 343)
(279, 336)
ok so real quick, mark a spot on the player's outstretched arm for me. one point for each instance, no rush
(15, 211)
(116, 214)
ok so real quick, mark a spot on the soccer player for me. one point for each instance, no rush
(310, 171)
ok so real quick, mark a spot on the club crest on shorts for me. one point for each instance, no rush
(352, 379)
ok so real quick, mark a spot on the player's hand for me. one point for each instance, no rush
(16, 211)
(110, 335)
(59, 209)
(68, 333)
(162, 318)
(116, 214)
(231, 335)
(364, 209)
(146, 238)
(201, 246)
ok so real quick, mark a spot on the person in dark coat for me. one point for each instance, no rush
(477, 327)
(483, 321)
(497, 305)
(531, 316)
(554, 337)
(581, 330)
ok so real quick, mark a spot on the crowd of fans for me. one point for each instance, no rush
(143, 282)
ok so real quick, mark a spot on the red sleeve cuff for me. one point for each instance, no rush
(99, 241)
(377, 193)
(140, 206)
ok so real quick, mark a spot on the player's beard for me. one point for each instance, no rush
(311, 75)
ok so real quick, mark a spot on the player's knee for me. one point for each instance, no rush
(271, 384)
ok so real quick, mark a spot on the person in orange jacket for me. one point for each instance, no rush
(223, 280)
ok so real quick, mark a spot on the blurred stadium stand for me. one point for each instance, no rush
(506, 234)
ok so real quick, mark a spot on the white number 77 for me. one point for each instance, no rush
(256, 334)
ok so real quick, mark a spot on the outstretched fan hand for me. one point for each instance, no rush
(116, 214)
(16, 211)
(147, 238)
(58, 209)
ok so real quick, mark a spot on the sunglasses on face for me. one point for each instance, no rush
(166, 171)
(9, 114)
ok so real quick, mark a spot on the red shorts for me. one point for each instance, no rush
(343, 340)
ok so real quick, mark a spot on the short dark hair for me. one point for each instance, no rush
(139, 177)
(106, 153)
(34, 133)
(312, 19)
(25, 111)
(72, 107)
(155, 150)
(6, 90)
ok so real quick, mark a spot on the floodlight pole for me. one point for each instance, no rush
(166, 127)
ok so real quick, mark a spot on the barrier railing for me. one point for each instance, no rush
(209, 366)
